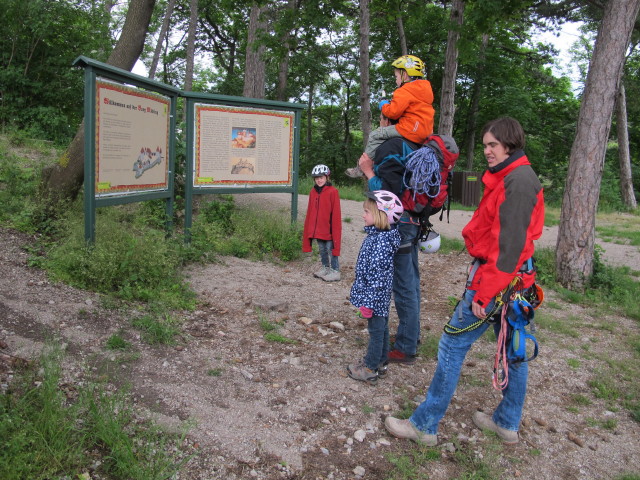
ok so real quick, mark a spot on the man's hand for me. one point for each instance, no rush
(477, 310)
(366, 165)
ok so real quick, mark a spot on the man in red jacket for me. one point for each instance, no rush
(500, 237)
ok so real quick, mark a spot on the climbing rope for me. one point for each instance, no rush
(424, 168)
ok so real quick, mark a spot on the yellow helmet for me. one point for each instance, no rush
(412, 64)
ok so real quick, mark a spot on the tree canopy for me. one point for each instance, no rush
(502, 69)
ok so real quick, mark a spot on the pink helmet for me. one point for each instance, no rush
(388, 202)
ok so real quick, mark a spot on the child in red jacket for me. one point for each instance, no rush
(411, 105)
(324, 223)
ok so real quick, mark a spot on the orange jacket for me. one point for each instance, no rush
(412, 106)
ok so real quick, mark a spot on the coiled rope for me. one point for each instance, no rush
(424, 168)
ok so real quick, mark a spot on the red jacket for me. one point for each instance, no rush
(412, 106)
(323, 220)
(502, 230)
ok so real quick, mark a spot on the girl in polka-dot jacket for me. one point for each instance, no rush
(371, 290)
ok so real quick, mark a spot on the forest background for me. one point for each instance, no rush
(309, 52)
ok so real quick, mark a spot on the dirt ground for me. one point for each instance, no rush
(273, 410)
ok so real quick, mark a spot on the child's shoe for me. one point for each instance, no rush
(332, 276)
(354, 172)
(396, 356)
(383, 369)
(359, 371)
(322, 272)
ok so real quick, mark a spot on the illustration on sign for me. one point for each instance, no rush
(146, 160)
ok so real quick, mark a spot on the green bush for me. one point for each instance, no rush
(134, 264)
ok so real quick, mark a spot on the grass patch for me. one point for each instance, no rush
(412, 465)
(116, 342)
(157, 330)
(367, 409)
(45, 435)
(580, 400)
(267, 326)
(348, 191)
(573, 363)
(561, 326)
(277, 338)
(475, 468)
(614, 288)
(214, 372)
(428, 347)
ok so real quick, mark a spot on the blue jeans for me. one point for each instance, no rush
(378, 349)
(451, 353)
(325, 247)
(406, 286)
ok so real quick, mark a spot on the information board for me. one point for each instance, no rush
(131, 139)
(242, 146)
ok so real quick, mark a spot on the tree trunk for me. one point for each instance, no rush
(191, 45)
(576, 234)
(64, 180)
(365, 88)
(401, 34)
(191, 50)
(472, 119)
(626, 181)
(161, 38)
(283, 71)
(310, 114)
(254, 73)
(447, 98)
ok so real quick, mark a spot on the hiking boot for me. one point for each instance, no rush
(396, 356)
(383, 369)
(485, 422)
(405, 429)
(359, 371)
(332, 276)
(354, 172)
(322, 272)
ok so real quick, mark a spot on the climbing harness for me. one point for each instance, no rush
(512, 339)
(514, 307)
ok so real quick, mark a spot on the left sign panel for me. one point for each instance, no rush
(132, 140)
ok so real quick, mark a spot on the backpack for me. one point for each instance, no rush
(428, 176)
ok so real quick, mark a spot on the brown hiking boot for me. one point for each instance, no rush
(405, 429)
(485, 422)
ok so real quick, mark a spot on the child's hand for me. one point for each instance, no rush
(382, 103)
(366, 312)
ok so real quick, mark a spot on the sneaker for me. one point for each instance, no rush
(405, 429)
(332, 276)
(485, 422)
(359, 371)
(354, 172)
(383, 369)
(322, 272)
(396, 356)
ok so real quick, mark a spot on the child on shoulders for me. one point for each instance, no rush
(411, 105)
